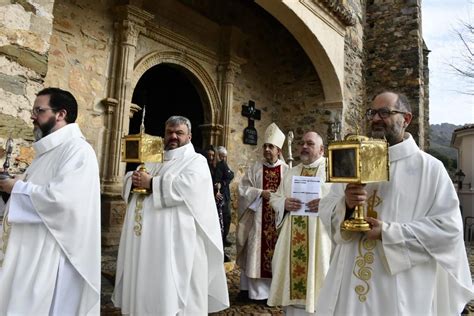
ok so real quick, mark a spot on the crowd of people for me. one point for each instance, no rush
(291, 251)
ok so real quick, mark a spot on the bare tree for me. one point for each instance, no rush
(463, 65)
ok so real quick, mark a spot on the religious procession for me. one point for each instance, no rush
(316, 238)
(226, 157)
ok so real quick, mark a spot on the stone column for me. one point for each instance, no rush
(130, 23)
(211, 134)
(228, 72)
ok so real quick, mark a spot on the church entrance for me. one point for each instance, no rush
(166, 90)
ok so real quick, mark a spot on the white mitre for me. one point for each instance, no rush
(273, 135)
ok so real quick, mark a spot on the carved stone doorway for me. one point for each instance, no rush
(166, 90)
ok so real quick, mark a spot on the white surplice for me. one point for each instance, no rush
(52, 262)
(250, 190)
(176, 265)
(319, 247)
(420, 267)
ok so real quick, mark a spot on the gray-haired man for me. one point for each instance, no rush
(170, 255)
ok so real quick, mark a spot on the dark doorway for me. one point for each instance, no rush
(167, 90)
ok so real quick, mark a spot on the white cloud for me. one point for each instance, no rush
(440, 19)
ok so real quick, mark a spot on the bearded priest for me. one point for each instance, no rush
(52, 225)
(413, 259)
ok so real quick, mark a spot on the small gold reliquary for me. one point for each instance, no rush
(141, 148)
(357, 159)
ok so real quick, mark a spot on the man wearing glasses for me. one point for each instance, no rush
(412, 261)
(52, 223)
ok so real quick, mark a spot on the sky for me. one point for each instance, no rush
(440, 20)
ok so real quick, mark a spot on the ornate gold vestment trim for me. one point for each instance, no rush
(5, 235)
(362, 269)
(137, 228)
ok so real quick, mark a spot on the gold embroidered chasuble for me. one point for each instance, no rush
(303, 249)
(299, 249)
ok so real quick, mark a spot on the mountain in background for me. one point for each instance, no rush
(440, 145)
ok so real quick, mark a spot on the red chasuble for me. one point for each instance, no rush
(271, 181)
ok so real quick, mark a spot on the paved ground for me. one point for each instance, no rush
(237, 307)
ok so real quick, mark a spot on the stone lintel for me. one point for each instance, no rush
(133, 14)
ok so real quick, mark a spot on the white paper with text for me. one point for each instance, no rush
(305, 189)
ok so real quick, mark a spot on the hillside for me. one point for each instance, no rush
(440, 144)
(440, 139)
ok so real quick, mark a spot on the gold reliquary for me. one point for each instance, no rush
(141, 148)
(357, 159)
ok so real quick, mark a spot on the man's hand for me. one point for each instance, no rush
(313, 205)
(141, 179)
(292, 204)
(355, 195)
(266, 194)
(219, 196)
(7, 184)
(375, 232)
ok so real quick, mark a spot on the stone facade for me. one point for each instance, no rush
(305, 66)
(25, 30)
(396, 58)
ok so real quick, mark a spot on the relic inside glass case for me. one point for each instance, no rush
(357, 159)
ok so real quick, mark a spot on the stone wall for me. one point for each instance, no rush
(395, 56)
(81, 45)
(426, 89)
(354, 71)
(278, 76)
(25, 30)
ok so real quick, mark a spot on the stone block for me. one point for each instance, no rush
(19, 129)
(42, 25)
(14, 17)
(26, 58)
(13, 84)
(113, 212)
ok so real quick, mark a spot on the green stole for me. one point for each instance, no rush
(299, 249)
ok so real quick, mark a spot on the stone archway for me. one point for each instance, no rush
(212, 126)
(320, 30)
(209, 93)
(168, 89)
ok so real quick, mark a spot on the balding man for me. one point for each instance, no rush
(302, 252)
(413, 260)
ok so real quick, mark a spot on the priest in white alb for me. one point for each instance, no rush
(52, 223)
(170, 259)
(303, 249)
(256, 232)
(413, 260)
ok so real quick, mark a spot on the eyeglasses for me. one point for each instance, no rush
(37, 111)
(383, 113)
